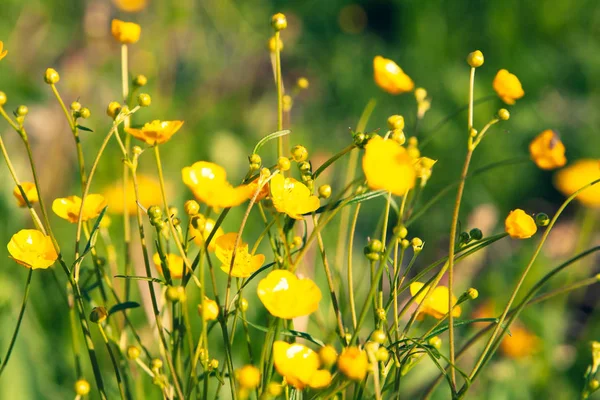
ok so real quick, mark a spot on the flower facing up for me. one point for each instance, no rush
(200, 230)
(209, 309)
(292, 197)
(248, 377)
(125, 32)
(148, 192)
(208, 182)
(437, 303)
(130, 5)
(390, 77)
(30, 191)
(3, 52)
(299, 365)
(286, 296)
(68, 207)
(155, 132)
(176, 265)
(245, 264)
(354, 363)
(520, 343)
(508, 87)
(519, 225)
(32, 249)
(547, 150)
(387, 165)
(575, 176)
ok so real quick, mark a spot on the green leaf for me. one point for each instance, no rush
(356, 199)
(270, 136)
(123, 306)
(287, 332)
(141, 278)
(84, 128)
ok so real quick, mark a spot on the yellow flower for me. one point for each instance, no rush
(547, 151)
(575, 176)
(30, 191)
(353, 363)
(390, 77)
(245, 264)
(519, 225)
(148, 191)
(176, 265)
(387, 165)
(292, 197)
(248, 377)
(155, 132)
(205, 227)
(32, 249)
(299, 365)
(125, 32)
(130, 5)
(209, 309)
(508, 87)
(208, 182)
(68, 207)
(437, 303)
(286, 296)
(2, 53)
(520, 343)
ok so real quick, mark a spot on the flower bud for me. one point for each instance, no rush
(435, 342)
(213, 364)
(133, 352)
(420, 94)
(243, 304)
(381, 314)
(283, 163)
(398, 136)
(324, 191)
(22, 111)
(274, 389)
(255, 159)
(113, 109)
(3, 98)
(360, 139)
(51, 76)
(273, 42)
(144, 100)
(503, 114)
(396, 122)
(375, 245)
(464, 238)
(278, 22)
(299, 153)
(137, 151)
(156, 364)
(175, 293)
(75, 106)
(304, 167)
(302, 83)
(475, 59)
(191, 207)
(404, 243)
(400, 231)
(155, 213)
(98, 315)
(542, 219)
(265, 173)
(82, 387)
(248, 377)
(476, 234)
(140, 81)
(417, 244)
(378, 336)
(85, 113)
(594, 384)
(472, 293)
(328, 356)
(382, 354)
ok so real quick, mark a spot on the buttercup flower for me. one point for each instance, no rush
(547, 151)
(519, 225)
(437, 303)
(286, 296)
(209, 309)
(299, 365)
(508, 87)
(520, 343)
(245, 264)
(148, 191)
(30, 191)
(156, 132)
(130, 5)
(32, 249)
(208, 182)
(354, 363)
(3, 52)
(292, 197)
(203, 230)
(176, 265)
(68, 207)
(575, 176)
(248, 377)
(125, 32)
(387, 165)
(390, 77)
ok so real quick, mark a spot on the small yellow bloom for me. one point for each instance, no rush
(176, 265)
(30, 191)
(328, 355)
(32, 249)
(208, 182)
(125, 32)
(354, 363)
(68, 207)
(390, 77)
(437, 303)
(292, 197)
(203, 231)
(520, 343)
(248, 377)
(508, 87)
(387, 165)
(3, 52)
(131, 5)
(148, 191)
(575, 176)
(299, 365)
(209, 309)
(286, 296)
(519, 225)
(156, 132)
(245, 264)
(547, 151)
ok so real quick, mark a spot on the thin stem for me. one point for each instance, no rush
(350, 269)
(114, 361)
(279, 84)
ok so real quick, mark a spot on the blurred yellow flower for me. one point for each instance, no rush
(387, 165)
(209, 309)
(437, 303)
(353, 363)
(575, 176)
(3, 52)
(148, 191)
(30, 191)
(390, 77)
(205, 227)
(520, 343)
(176, 265)
(248, 377)
(32, 249)
(265, 190)
(286, 296)
(125, 32)
(155, 132)
(208, 182)
(299, 365)
(547, 151)
(130, 5)
(519, 225)
(245, 264)
(292, 197)
(68, 207)
(508, 87)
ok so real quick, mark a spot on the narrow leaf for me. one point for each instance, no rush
(123, 306)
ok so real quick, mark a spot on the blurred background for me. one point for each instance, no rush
(208, 63)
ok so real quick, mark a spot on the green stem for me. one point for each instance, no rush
(114, 361)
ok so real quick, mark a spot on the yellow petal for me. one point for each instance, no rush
(387, 165)
(286, 296)
(32, 249)
(125, 32)
(575, 176)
